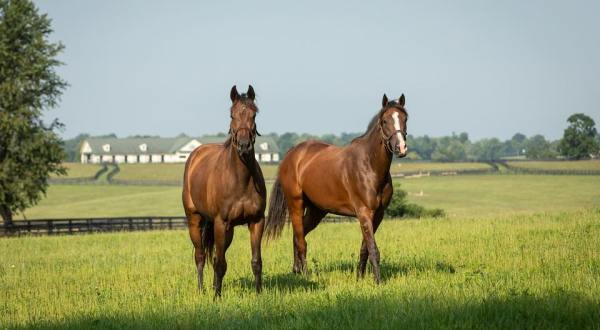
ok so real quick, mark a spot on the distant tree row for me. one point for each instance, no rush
(580, 141)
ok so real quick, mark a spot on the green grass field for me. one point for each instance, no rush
(459, 196)
(520, 271)
(170, 173)
(559, 165)
(405, 167)
(174, 172)
(153, 172)
(79, 171)
(515, 251)
(484, 195)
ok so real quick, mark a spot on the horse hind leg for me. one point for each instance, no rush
(296, 211)
(195, 231)
(311, 219)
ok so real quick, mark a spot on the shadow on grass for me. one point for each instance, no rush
(391, 269)
(282, 282)
(346, 310)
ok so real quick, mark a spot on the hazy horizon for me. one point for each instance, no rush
(490, 69)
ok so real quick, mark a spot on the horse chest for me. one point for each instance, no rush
(243, 208)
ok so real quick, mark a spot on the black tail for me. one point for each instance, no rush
(278, 210)
(208, 239)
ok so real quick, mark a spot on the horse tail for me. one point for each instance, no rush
(208, 239)
(278, 210)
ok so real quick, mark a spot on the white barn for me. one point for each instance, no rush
(161, 150)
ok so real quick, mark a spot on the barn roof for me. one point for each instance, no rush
(131, 146)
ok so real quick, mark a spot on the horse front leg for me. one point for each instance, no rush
(366, 218)
(256, 232)
(364, 252)
(223, 238)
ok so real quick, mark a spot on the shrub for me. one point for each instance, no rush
(400, 208)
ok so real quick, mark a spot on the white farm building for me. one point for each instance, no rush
(161, 150)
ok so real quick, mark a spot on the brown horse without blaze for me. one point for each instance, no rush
(317, 178)
(223, 187)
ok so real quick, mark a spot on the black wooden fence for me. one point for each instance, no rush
(108, 224)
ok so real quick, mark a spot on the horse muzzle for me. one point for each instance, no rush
(401, 150)
(244, 146)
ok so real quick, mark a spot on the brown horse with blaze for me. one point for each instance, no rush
(223, 187)
(317, 178)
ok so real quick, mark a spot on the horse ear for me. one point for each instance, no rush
(234, 95)
(250, 92)
(384, 102)
(401, 100)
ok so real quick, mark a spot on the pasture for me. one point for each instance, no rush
(585, 165)
(515, 251)
(79, 171)
(538, 270)
(173, 173)
(459, 196)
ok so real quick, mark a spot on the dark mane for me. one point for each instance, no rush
(375, 120)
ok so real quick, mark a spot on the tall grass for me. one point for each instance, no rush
(518, 271)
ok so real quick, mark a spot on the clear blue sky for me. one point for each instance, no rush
(489, 68)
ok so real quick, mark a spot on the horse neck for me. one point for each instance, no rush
(243, 170)
(373, 148)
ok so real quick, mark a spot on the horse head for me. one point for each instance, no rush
(242, 128)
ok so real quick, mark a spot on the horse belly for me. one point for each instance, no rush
(326, 191)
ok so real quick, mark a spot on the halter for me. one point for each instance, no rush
(233, 133)
(387, 139)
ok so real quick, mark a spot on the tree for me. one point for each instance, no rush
(486, 149)
(449, 149)
(537, 147)
(30, 150)
(579, 139)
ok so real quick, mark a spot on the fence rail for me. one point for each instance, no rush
(106, 224)
(547, 171)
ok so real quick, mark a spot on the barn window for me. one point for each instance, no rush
(106, 147)
(264, 146)
(143, 147)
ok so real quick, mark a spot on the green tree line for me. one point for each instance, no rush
(581, 140)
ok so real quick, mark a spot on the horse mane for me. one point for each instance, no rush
(245, 100)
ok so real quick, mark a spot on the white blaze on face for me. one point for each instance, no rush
(401, 141)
